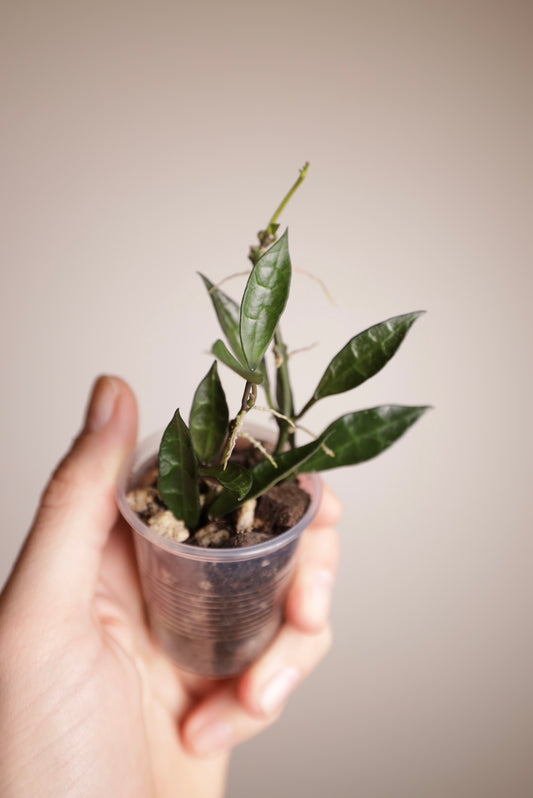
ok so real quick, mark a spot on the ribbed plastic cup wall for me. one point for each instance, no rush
(213, 611)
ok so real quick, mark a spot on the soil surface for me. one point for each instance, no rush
(256, 521)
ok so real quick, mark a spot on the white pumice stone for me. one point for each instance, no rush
(166, 524)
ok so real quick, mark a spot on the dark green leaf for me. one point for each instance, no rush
(265, 475)
(208, 421)
(220, 350)
(356, 437)
(228, 314)
(264, 300)
(235, 478)
(178, 472)
(364, 355)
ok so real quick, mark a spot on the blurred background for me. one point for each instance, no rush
(142, 142)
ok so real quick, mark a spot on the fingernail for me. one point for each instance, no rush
(319, 596)
(101, 404)
(278, 690)
(212, 737)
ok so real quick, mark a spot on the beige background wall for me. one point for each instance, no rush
(143, 141)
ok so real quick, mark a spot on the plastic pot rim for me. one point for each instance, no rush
(144, 454)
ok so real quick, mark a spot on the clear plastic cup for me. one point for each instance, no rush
(213, 611)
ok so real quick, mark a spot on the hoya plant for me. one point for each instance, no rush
(198, 481)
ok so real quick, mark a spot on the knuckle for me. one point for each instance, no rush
(62, 486)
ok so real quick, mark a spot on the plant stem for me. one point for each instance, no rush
(267, 236)
(283, 393)
(288, 195)
(249, 398)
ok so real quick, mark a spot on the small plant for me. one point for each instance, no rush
(213, 607)
(198, 480)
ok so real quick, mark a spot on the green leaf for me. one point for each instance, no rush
(364, 355)
(264, 300)
(235, 478)
(228, 314)
(265, 475)
(356, 437)
(178, 472)
(209, 417)
(220, 350)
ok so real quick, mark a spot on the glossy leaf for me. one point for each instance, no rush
(228, 314)
(264, 300)
(235, 478)
(364, 355)
(208, 420)
(221, 351)
(356, 437)
(178, 472)
(265, 475)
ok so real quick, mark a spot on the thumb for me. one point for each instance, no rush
(62, 554)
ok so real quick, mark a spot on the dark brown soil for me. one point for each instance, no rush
(277, 510)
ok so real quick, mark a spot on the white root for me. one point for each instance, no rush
(246, 516)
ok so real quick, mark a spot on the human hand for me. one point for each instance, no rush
(89, 704)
